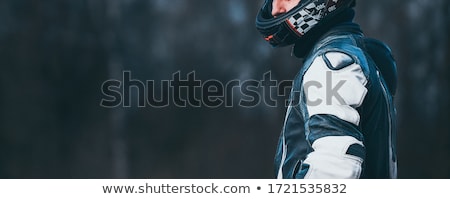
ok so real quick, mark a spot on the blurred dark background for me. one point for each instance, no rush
(55, 55)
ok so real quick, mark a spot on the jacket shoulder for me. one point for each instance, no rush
(342, 51)
(337, 60)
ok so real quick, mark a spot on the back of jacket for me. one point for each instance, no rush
(341, 122)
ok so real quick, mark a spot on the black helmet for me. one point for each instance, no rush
(287, 28)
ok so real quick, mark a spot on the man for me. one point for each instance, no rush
(341, 119)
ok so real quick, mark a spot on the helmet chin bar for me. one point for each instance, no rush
(287, 28)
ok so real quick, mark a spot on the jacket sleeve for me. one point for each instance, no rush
(334, 87)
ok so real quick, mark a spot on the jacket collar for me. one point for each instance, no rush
(339, 25)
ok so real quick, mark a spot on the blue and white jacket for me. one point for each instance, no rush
(341, 121)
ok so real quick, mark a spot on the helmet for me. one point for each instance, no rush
(287, 28)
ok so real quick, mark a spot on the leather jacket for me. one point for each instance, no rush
(341, 121)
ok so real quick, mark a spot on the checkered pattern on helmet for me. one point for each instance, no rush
(309, 16)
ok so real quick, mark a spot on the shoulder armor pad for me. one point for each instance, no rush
(337, 60)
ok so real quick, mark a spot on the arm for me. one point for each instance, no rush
(334, 88)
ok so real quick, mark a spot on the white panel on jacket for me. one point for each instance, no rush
(329, 159)
(335, 91)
